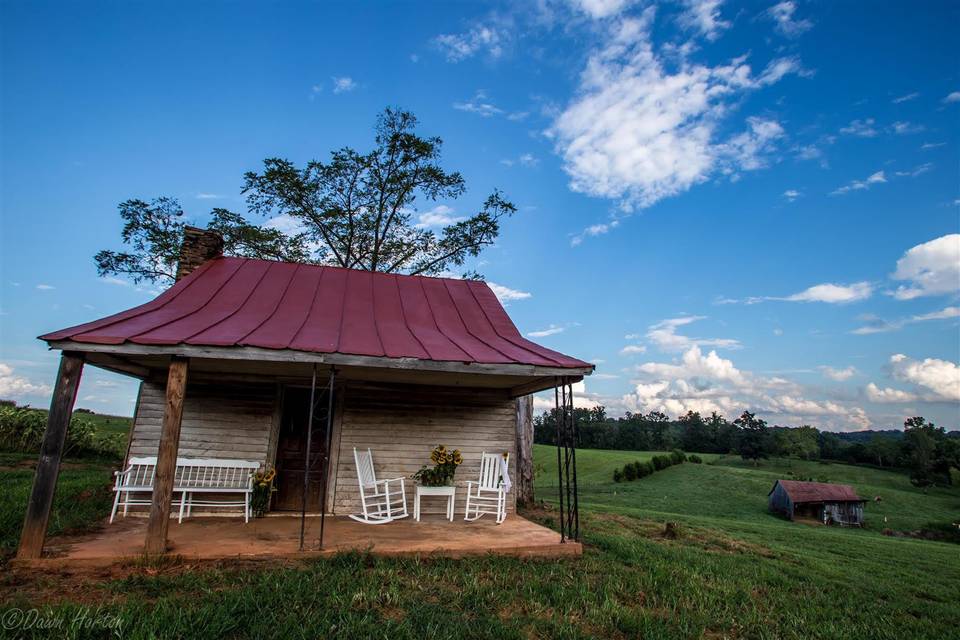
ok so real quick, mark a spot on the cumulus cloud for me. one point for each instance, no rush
(664, 335)
(904, 128)
(939, 379)
(638, 133)
(782, 14)
(551, 330)
(838, 375)
(440, 216)
(480, 105)
(707, 382)
(633, 349)
(791, 194)
(861, 185)
(703, 16)
(15, 387)
(506, 294)
(479, 39)
(599, 9)
(888, 394)
(931, 268)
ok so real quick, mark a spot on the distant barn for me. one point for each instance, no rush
(828, 503)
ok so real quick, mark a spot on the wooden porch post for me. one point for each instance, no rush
(156, 542)
(525, 450)
(48, 467)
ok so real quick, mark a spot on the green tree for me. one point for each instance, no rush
(695, 434)
(355, 211)
(929, 453)
(753, 437)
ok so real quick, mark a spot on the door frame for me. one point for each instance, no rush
(339, 390)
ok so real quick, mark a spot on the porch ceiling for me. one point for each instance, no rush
(142, 361)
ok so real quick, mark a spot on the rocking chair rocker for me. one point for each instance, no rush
(382, 500)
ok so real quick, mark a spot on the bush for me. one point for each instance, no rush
(617, 475)
(694, 458)
(22, 429)
(661, 462)
(629, 472)
(678, 456)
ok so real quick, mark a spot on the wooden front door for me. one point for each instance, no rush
(292, 446)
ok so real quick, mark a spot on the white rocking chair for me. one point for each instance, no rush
(489, 495)
(382, 501)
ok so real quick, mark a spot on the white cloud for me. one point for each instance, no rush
(343, 84)
(14, 387)
(638, 132)
(209, 196)
(953, 96)
(940, 378)
(708, 383)
(527, 160)
(440, 216)
(45, 287)
(664, 335)
(791, 194)
(826, 292)
(633, 349)
(506, 294)
(904, 128)
(598, 9)
(860, 128)
(916, 171)
(906, 98)
(704, 16)
(481, 38)
(888, 394)
(926, 146)
(931, 268)
(874, 324)
(479, 105)
(552, 330)
(838, 375)
(861, 185)
(582, 398)
(782, 14)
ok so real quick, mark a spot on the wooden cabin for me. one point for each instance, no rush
(822, 501)
(230, 356)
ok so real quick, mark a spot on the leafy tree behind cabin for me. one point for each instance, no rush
(355, 210)
(754, 440)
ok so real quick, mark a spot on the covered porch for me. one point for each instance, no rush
(278, 537)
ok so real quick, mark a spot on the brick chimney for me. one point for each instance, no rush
(199, 245)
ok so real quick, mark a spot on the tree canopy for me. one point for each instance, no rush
(356, 210)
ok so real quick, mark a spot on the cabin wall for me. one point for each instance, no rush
(779, 502)
(402, 423)
(234, 420)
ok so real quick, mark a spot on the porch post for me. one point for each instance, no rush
(156, 542)
(525, 449)
(326, 451)
(48, 466)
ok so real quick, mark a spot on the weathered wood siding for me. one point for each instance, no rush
(219, 421)
(402, 423)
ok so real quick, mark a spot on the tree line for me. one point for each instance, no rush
(926, 451)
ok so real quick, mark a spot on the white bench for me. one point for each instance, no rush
(193, 476)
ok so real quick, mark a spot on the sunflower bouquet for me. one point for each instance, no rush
(262, 490)
(445, 463)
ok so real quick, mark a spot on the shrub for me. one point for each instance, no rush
(661, 462)
(22, 429)
(617, 475)
(694, 458)
(678, 456)
(629, 472)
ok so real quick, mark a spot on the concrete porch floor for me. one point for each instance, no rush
(217, 538)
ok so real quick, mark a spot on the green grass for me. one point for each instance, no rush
(82, 498)
(735, 572)
(107, 424)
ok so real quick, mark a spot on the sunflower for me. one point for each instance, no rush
(435, 457)
(457, 458)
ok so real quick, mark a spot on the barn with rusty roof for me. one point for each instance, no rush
(823, 501)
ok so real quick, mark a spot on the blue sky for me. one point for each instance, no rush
(725, 206)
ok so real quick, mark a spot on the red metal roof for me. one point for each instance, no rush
(280, 305)
(818, 491)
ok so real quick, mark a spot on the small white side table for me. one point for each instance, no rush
(449, 492)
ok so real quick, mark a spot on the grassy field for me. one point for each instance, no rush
(735, 572)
